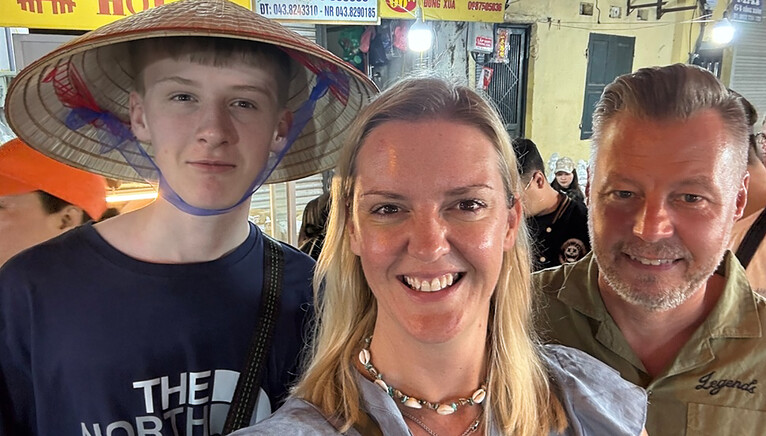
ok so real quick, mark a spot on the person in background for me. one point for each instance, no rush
(312, 233)
(566, 180)
(660, 298)
(748, 237)
(181, 315)
(41, 198)
(424, 322)
(558, 225)
(110, 212)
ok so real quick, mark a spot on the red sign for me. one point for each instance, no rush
(483, 42)
(486, 77)
(402, 5)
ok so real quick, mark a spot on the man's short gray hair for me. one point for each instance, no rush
(673, 92)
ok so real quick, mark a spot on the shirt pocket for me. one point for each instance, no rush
(706, 419)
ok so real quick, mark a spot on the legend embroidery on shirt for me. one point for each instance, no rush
(713, 386)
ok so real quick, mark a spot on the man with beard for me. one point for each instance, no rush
(660, 299)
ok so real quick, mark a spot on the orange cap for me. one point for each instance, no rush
(23, 170)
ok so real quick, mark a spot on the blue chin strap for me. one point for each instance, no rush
(113, 131)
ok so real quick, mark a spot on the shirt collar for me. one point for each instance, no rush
(734, 316)
(581, 298)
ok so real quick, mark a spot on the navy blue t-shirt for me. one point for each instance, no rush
(94, 342)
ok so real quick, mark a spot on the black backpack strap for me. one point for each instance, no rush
(752, 240)
(249, 383)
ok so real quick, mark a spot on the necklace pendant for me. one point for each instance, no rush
(479, 396)
(413, 403)
(472, 428)
(446, 409)
(364, 357)
(382, 384)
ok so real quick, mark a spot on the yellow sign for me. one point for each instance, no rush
(488, 11)
(74, 14)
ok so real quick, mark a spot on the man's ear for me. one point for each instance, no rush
(283, 128)
(742, 196)
(138, 122)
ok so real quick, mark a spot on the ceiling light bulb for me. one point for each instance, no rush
(419, 37)
(723, 32)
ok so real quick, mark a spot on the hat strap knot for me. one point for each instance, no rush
(113, 133)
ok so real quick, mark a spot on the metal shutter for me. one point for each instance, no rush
(507, 88)
(303, 29)
(748, 65)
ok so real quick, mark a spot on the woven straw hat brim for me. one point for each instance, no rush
(37, 116)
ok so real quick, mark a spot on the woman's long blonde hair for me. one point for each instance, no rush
(520, 399)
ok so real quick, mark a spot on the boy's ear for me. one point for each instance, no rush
(138, 118)
(283, 128)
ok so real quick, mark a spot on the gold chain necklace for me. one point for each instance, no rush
(471, 428)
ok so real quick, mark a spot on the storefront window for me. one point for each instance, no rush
(278, 208)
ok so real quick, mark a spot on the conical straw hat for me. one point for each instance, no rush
(37, 115)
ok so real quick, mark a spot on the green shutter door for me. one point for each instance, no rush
(608, 57)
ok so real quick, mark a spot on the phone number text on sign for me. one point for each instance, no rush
(283, 10)
(338, 10)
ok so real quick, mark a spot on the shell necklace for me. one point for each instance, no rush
(448, 408)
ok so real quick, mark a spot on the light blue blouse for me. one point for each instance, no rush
(597, 401)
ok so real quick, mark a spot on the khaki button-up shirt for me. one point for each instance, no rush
(717, 383)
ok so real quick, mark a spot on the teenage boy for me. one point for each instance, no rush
(141, 324)
(41, 198)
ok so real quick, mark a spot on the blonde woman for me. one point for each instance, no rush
(424, 320)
